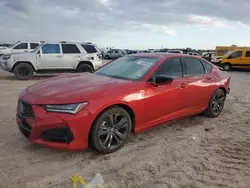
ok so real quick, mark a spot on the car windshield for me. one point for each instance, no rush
(128, 67)
(13, 45)
(228, 53)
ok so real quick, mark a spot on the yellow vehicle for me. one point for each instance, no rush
(219, 58)
(222, 50)
(236, 59)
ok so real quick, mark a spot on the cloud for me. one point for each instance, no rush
(205, 21)
(90, 20)
(152, 27)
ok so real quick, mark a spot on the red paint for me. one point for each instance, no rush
(151, 105)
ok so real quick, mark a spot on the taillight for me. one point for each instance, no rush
(99, 55)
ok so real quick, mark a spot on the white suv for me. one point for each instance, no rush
(19, 47)
(53, 58)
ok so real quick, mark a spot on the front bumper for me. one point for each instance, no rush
(56, 130)
(3, 65)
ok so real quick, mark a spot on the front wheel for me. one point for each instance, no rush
(227, 67)
(216, 104)
(23, 71)
(110, 130)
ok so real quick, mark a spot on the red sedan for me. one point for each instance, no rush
(131, 94)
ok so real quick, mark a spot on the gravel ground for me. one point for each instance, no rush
(193, 152)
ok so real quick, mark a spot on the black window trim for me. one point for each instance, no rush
(182, 67)
(184, 71)
(204, 66)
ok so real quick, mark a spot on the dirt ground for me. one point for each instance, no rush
(194, 152)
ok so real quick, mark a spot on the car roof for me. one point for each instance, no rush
(28, 42)
(79, 43)
(162, 56)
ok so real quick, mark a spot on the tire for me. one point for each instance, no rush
(103, 127)
(216, 104)
(23, 71)
(106, 57)
(84, 68)
(227, 67)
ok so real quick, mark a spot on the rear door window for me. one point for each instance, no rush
(70, 49)
(247, 53)
(171, 68)
(192, 67)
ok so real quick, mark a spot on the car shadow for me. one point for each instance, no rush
(36, 77)
(240, 70)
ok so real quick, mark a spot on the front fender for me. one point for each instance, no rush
(97, 109)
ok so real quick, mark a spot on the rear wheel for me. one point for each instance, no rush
(110, 130)
(216, 104)
(23, 71)
(84, 68)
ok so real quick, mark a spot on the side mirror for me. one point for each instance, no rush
(161, 79)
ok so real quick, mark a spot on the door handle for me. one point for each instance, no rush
(209, 77)
(183, 85)
(59, 56)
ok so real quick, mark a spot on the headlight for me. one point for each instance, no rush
(65, 108)
(5, 57)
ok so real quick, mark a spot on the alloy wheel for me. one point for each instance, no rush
(23, 71)
(113, 131)
(218, 102)
(227, 67)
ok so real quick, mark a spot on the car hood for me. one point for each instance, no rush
(72, 88)
(3, 47)
(15, 54)
(5, 50)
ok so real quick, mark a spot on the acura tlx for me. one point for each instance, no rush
(130, 94)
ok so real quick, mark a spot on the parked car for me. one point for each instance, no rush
(235, 59)
(174, 52)
(113, 54)
(53, 58)
(210, 56)
(219, 58)
(131, 52)
(19, 47)
(193, 53)
(131, 94)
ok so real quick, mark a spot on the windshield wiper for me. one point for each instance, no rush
(113, 76)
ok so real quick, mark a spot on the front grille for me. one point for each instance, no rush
(25, 109)
(25, 128)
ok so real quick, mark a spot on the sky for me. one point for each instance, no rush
(137, 24)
